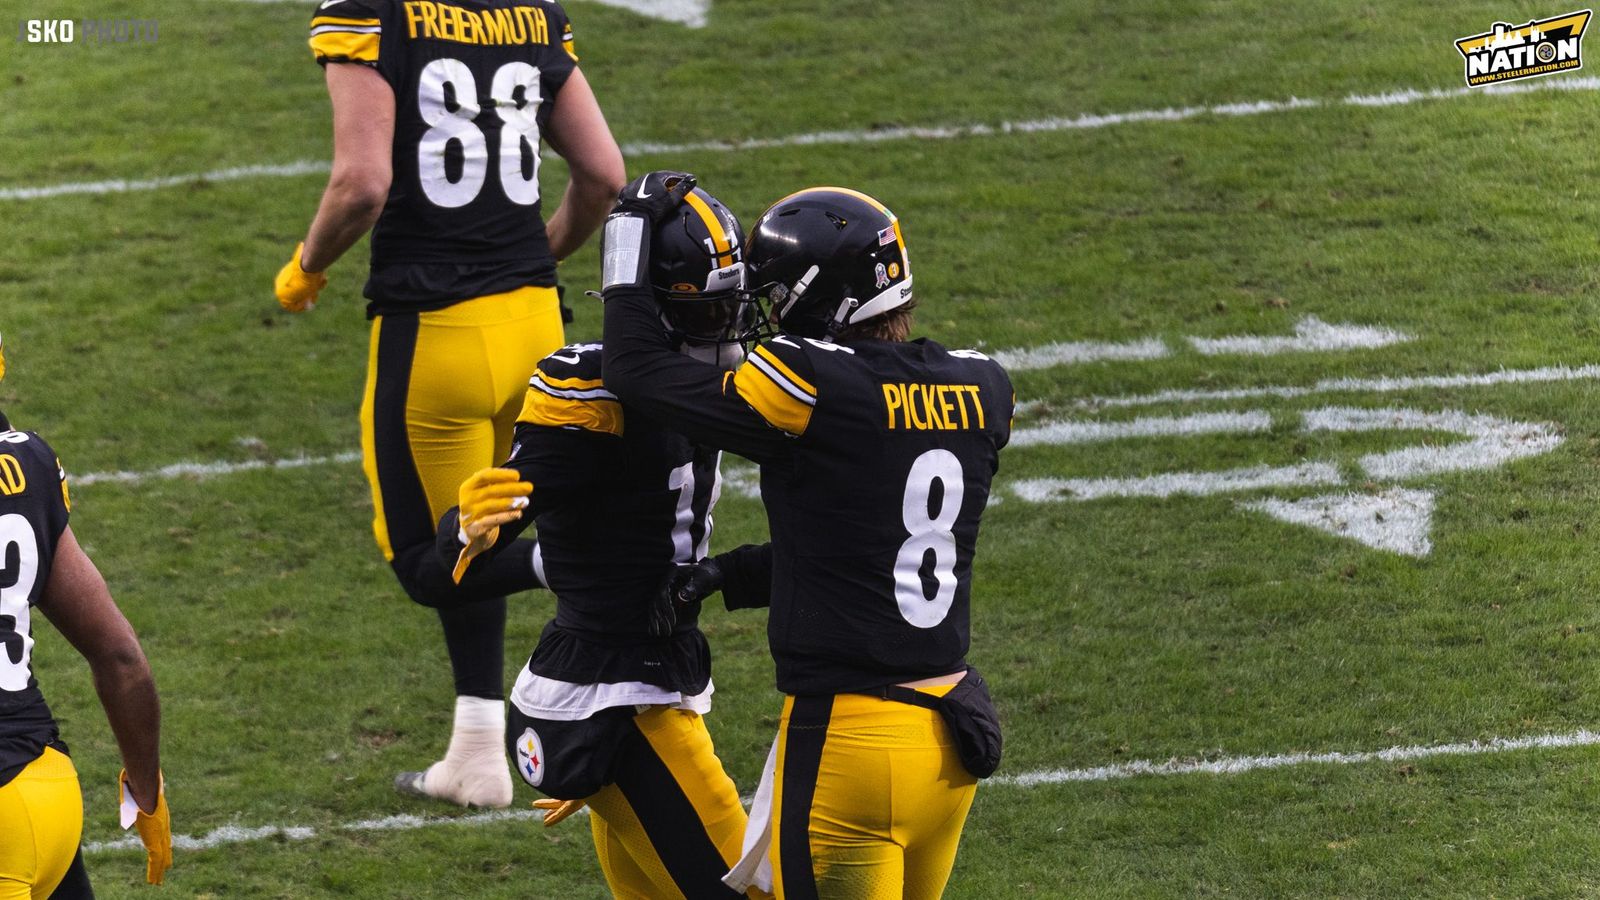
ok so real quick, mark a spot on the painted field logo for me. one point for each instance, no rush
(1541, 47)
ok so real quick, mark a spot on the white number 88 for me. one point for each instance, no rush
(519, 132)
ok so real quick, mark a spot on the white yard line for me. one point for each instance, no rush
(1193, 484)
(1084, 122)
(1078, 352)
(1378, 385)
(207, 470)
(1233, 765)
(233, 834)
(1074, 432)
(1310, 334)
(1237, 765)
(120, 185)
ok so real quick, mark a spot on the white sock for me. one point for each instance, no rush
(476, 713)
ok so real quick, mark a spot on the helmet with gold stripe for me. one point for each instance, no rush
(826, 258)
(697, 273)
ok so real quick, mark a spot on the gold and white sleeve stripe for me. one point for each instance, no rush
(571, 403)
(773, 389)
(567, 44)
(342, 39)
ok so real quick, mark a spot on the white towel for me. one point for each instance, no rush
(755, 866)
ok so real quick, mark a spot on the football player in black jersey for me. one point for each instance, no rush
(876, 456)
(43, 569)
(609, 708)
(439, 107)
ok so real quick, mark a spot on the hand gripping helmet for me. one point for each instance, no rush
(826, 258)
(697, 273)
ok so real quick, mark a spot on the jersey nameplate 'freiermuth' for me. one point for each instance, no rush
(874, 510)
(33, 515)
(618, 500)
(474, 82)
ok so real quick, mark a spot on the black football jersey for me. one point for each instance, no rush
(33, 515)
(876, 462)
(618, 500)
(474, 82)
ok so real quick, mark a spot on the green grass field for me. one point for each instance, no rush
(296, 678)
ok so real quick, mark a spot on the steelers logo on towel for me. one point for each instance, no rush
(530, 757)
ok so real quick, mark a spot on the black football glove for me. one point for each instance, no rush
(654, 195)
(686, 585)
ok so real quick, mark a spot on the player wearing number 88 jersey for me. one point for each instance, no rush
(439, 108)
(876, 454)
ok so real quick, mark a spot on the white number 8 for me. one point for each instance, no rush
(929, 532)
(519, 132)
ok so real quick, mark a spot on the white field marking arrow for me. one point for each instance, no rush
(1311, 334)
(1494, 442)
(1395, 520)
(685, 12)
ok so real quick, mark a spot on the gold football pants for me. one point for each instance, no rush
(41, 821)
(671, 824)
(443, 391)
(868, 801)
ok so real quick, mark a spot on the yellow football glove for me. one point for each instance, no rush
(556, 810)
(155, 828)
(296, 288)
(489, 498)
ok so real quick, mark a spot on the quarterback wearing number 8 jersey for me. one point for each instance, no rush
(439, 109)
(876, 456)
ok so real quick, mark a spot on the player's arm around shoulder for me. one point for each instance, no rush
(778, 380)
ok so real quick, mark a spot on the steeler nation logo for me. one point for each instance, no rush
(1541, 47)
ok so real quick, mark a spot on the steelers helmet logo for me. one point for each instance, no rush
(530, 757)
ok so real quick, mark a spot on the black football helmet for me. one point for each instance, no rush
(825, 258)
(697, 273)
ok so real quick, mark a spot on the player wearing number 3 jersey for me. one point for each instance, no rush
(43, 570)
(438, 112)
(876, 458)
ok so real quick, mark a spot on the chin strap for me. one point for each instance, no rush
(799, 289)
(841, 316)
